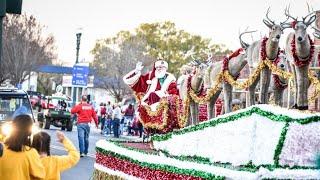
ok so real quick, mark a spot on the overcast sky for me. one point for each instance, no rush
(219, 20)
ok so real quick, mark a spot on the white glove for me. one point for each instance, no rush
(160, 93)
(139, 66)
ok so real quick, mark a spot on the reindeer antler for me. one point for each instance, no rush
(268, 22)
(287, 13)
(316, 32)
(285, 24)
(267, 16)
(311, 19)
(245, 45)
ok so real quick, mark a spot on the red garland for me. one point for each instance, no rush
(293, 24)
(263, 52)
(172, 121)
(226, 59)
(278, 83)
(296, 59)
(136, 170)
(275, 77)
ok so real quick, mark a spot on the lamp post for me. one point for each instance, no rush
(78, 44)
(78, 35)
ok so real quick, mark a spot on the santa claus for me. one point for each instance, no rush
(156, 84)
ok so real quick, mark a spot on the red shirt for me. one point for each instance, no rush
(85, 113)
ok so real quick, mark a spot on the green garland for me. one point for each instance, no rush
(250, 167)
(212, 123)
(162, 167)
(280, 144)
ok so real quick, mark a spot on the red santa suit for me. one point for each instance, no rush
(153, 87)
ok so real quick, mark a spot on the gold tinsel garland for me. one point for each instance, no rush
(316, 84)
(162, 108)
(277, 71)
(242, 85)
(183, 116)
(99, 175)
(209, 93)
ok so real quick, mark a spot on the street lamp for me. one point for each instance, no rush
(78, 35)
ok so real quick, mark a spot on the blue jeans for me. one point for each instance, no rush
(107, 126)
(83, 137)
(116, 123)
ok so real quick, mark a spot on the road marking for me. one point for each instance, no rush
(62, 149)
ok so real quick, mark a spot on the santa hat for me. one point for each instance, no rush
(161, 63)
(155, 65)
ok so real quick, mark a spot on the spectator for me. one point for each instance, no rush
(109, 111)
(63, 105)
(98, 111)
(103, 112)
(19, 160)
(85, 113)
(116, 116)
(136, 125)
(54, 165)
(128, 115)
(140, 128)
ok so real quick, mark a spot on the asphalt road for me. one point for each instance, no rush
(84, 169)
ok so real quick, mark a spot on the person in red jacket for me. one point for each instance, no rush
(85, 113)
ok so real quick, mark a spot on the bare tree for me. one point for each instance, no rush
(24, 48)
(112, 62)
(45, 81)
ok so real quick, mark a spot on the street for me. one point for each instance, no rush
(84, 169)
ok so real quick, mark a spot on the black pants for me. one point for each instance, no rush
(116, 124)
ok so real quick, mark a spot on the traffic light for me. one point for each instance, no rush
(3, 6)
(10, 6)
(14, 6)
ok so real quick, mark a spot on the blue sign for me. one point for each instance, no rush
(80, 75)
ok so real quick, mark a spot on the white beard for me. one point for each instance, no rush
(160, 74)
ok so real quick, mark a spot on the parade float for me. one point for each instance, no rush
(258, 142)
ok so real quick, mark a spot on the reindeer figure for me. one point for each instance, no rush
(300, 49)
(279, 84)
(185, 71)
(266, 48)
(235, 65)
(196, 86)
